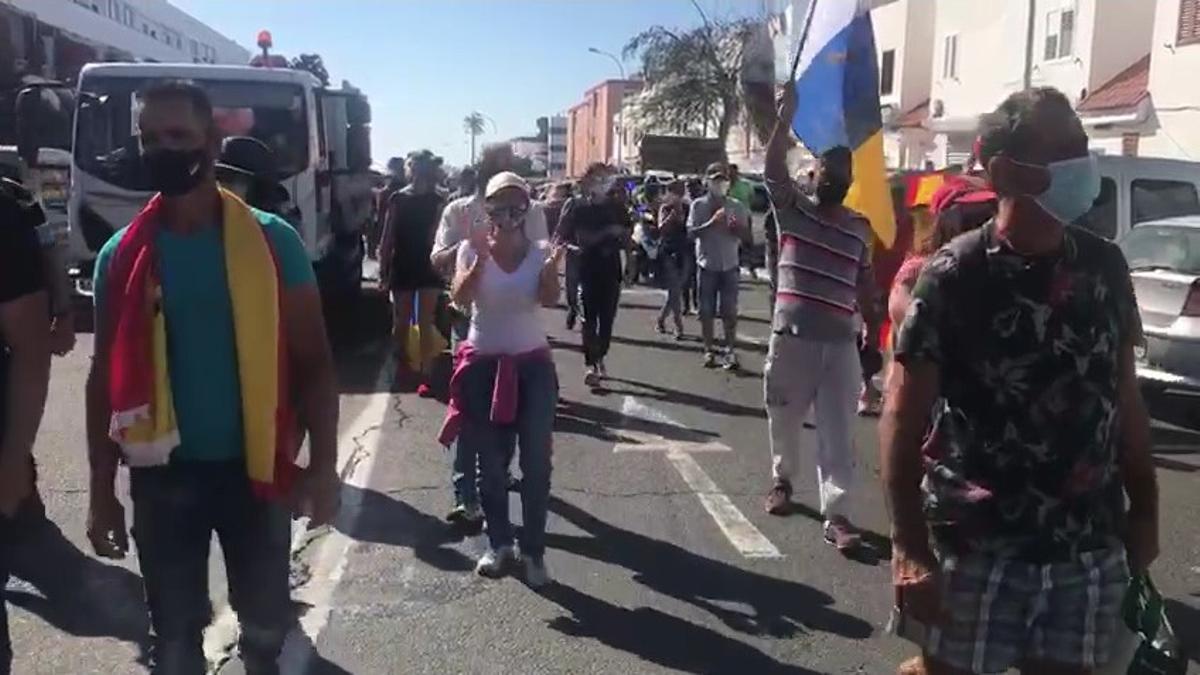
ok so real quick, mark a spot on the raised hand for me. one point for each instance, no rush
(481, 243)
(786, 102)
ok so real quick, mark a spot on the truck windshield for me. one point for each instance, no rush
(106, 141)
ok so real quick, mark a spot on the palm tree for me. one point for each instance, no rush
(473, 125)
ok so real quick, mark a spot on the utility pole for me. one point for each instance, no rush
(1029, 32)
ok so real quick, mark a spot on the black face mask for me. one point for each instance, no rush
(832, 193)
(175, 172)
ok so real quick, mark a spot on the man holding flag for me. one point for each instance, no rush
(825, 288)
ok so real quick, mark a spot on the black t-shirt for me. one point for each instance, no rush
(674, 230)
(20, 259)
(414, 220)
(581, 218)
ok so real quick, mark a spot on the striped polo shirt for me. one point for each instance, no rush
(820, 264)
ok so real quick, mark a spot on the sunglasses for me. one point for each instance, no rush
(507, 212)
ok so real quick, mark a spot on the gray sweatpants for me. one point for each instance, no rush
(825, 376)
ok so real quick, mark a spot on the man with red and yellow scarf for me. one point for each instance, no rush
(211, 363)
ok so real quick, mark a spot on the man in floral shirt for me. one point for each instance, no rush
(1012, 542)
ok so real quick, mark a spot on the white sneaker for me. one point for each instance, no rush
(536, 574)
(494, 563)
(730, 361)
(602, 369)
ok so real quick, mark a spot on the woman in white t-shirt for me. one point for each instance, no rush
(505, 388)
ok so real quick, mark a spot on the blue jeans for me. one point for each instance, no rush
(533, 431)
(673, 269)
(463, 473)
(176, 510)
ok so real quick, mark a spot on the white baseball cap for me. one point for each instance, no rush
(505, 179)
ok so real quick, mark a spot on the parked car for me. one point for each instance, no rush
(1164, 263)
(1136, 190)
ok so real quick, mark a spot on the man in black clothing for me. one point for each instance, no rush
(599, 226)
(24, 366)
(247, 167)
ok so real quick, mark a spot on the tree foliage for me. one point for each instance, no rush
(314, 64)
(473, 124)
(691, 77)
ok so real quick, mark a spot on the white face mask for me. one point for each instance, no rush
(602, 186)
(719, 187)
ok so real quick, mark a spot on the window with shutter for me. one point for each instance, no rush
(1189, 22)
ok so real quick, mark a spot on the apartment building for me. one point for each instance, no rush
(55, 32)
(984, 51)
(557, 147)
(1174, 98)
(904, 40)
(591, 133)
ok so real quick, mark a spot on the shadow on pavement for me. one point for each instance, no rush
(383, 519)
(876, 549)
(659, 393)
(555, 343)
(665, 343)
(658, 637)
(1185, 619)
(778, 608)
(603, 424)
(628, 304)
(77, 593)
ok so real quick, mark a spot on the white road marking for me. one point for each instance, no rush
(357, 447)
(737, 528)
(1176, 447)
(1167, 426)
(644, 291)
(753, 340)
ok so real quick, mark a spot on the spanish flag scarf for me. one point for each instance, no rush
(143, 413)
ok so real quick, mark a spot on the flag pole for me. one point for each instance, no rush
(808, 19)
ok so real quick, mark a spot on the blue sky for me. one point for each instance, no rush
(425, 64)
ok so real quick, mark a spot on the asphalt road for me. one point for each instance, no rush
(663, 557)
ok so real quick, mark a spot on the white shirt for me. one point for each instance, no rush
(505, 313)
(465, 215)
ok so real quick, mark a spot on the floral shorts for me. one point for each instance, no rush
(1004, 611)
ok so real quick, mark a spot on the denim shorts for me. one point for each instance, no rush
(1005, 611)
(719, 293)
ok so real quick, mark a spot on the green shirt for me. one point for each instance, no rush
(201, 351)
(742, 191)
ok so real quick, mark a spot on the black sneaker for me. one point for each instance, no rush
(469, 514)
(779, 499)
(571, 319)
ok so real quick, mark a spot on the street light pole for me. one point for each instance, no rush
(620, 105)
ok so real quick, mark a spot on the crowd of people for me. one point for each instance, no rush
(1012, 433)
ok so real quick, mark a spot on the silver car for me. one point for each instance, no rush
(1164, 262)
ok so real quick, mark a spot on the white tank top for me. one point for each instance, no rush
(505, 315)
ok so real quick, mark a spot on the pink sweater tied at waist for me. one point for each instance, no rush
(505, 391)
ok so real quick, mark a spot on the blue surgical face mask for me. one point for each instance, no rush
(1074, 186)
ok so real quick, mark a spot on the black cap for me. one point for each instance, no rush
(249, 157)
(716, 170)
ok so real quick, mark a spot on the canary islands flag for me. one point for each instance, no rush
(837, 87)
